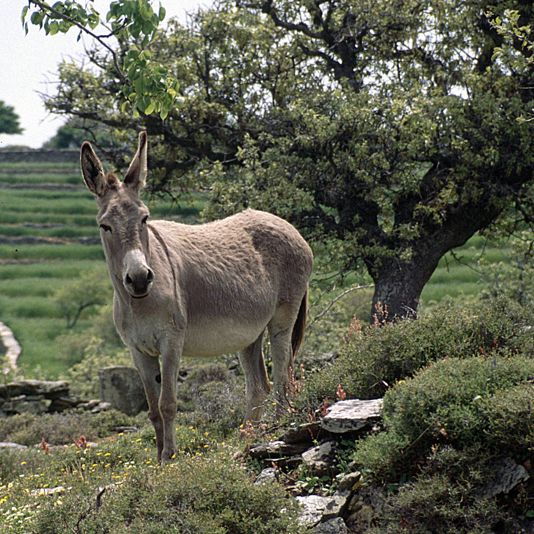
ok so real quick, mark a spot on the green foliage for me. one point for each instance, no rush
(446, 430)
(87, 354)
(215, 395)
(204, 491)
(79, 296)
(9, 120)
(60, 428)
(145, 84)
(438, 504)
(432, 407)
(373, 359)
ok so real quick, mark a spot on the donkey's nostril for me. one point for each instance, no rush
(150, 276)
(128, 280)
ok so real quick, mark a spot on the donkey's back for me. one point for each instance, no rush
(233, 275)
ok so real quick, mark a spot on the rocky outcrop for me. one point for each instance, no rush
(121, 386)
(42, 396)
(351, 415)
(311, 448)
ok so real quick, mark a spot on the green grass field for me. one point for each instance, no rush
(50, 202)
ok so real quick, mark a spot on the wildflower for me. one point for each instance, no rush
(341, 394)
(44, 446)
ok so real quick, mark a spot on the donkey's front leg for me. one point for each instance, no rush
(149, 371)
(170, 360)
(148, 368)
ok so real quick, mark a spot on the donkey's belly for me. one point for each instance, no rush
(220, 336)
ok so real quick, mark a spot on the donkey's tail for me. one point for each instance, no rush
(298, 330)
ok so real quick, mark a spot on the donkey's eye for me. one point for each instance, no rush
(144, 219)
(105, 227)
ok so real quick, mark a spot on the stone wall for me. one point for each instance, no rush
(40, 156)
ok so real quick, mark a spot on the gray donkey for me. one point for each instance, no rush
(198, 290)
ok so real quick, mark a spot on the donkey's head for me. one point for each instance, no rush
(122, 218)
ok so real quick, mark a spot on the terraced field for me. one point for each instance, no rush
(48, 237)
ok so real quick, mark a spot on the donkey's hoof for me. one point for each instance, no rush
(167, 457)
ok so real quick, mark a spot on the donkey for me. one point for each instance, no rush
(198, 290)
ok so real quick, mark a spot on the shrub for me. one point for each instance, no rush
(60, 428)
(196, 495)
(373, 359)
(483, 401)
(83, 376)
(216, 396)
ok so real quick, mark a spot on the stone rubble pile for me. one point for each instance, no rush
(312, 448)
(42, 396)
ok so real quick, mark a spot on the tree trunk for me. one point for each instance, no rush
(398, 287)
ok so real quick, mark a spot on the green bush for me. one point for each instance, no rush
(196, 495)
(60, 428)
(373, 359)
(215, 395)
(444, 430)
(481, 401)
(83, 376)
(446, 498)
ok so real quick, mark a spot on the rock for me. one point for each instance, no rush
(315, 508)
(506, 476)
(364, 508)
(63, 403)
(312, 508)
(90, 404)
(267, 476)
(351, 415)
(336, 505)
(121, 386)
(319, 459)
(11, 445)
(332, 526)
(35, 404)
(49, 389)
(101, 407)
(277, 449)
(47, 491)
(303, 433)
(349, 482)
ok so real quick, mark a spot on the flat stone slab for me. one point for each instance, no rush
(50, 389)
(351, 415)
(316, 508)
(276, 449)
(11, 445)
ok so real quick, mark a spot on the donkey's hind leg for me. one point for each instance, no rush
(256, 380)
(280, 333)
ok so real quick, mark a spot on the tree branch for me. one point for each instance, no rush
(99, 38)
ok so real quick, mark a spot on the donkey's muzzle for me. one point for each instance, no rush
(138, 283)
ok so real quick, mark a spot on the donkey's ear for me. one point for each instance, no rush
(92, 170)
(135, 177)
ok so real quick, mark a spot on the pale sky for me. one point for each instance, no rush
(28, 64)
